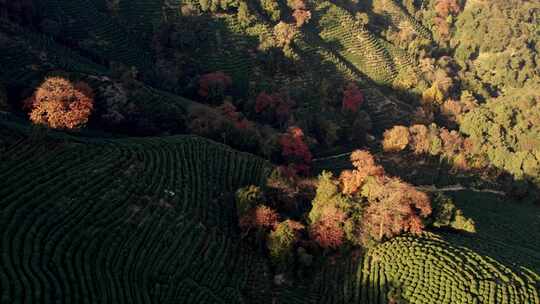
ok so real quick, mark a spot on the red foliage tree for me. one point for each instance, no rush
(352, 97)
(295, 150)
(214, 84)
(328, 231)
(229, 111)
(260, 217)
(276, 105)
(60, 104)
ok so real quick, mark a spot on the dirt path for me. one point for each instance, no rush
(457, 187)
(331, 157)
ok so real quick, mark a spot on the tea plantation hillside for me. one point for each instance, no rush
(124, 221)
(86, 37)
(90, 220)
(270, 151)
(497, 264)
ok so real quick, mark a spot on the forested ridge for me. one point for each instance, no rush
(289, 151)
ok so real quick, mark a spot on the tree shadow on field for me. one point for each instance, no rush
(340, 279)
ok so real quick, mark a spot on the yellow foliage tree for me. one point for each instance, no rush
(396, 139)
(432, 96)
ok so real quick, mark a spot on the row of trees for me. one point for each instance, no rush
(432, 140)
(501, 134)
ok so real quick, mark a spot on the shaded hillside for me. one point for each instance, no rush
(89, 220)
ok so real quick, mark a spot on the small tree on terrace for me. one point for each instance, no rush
(271, 8)
(295, 150)
(352, 98)
(247, 198)
(259, 218)
(284, 33)
(212, 86)
(60, 104)
(275, 107)
(281, 242)
(244, 16)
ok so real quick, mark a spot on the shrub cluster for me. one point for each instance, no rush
(461, 152)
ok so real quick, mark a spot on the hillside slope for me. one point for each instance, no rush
(90, 220)
(124, 221)
(493, 265)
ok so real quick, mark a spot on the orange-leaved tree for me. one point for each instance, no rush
(394, 207)
(230, 112)
(444, 8)
(61, 104)
(301, 16)
(365, 166)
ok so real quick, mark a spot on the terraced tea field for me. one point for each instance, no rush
(86, 218)
(124, 221)
(90, 220)
(426, 269)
